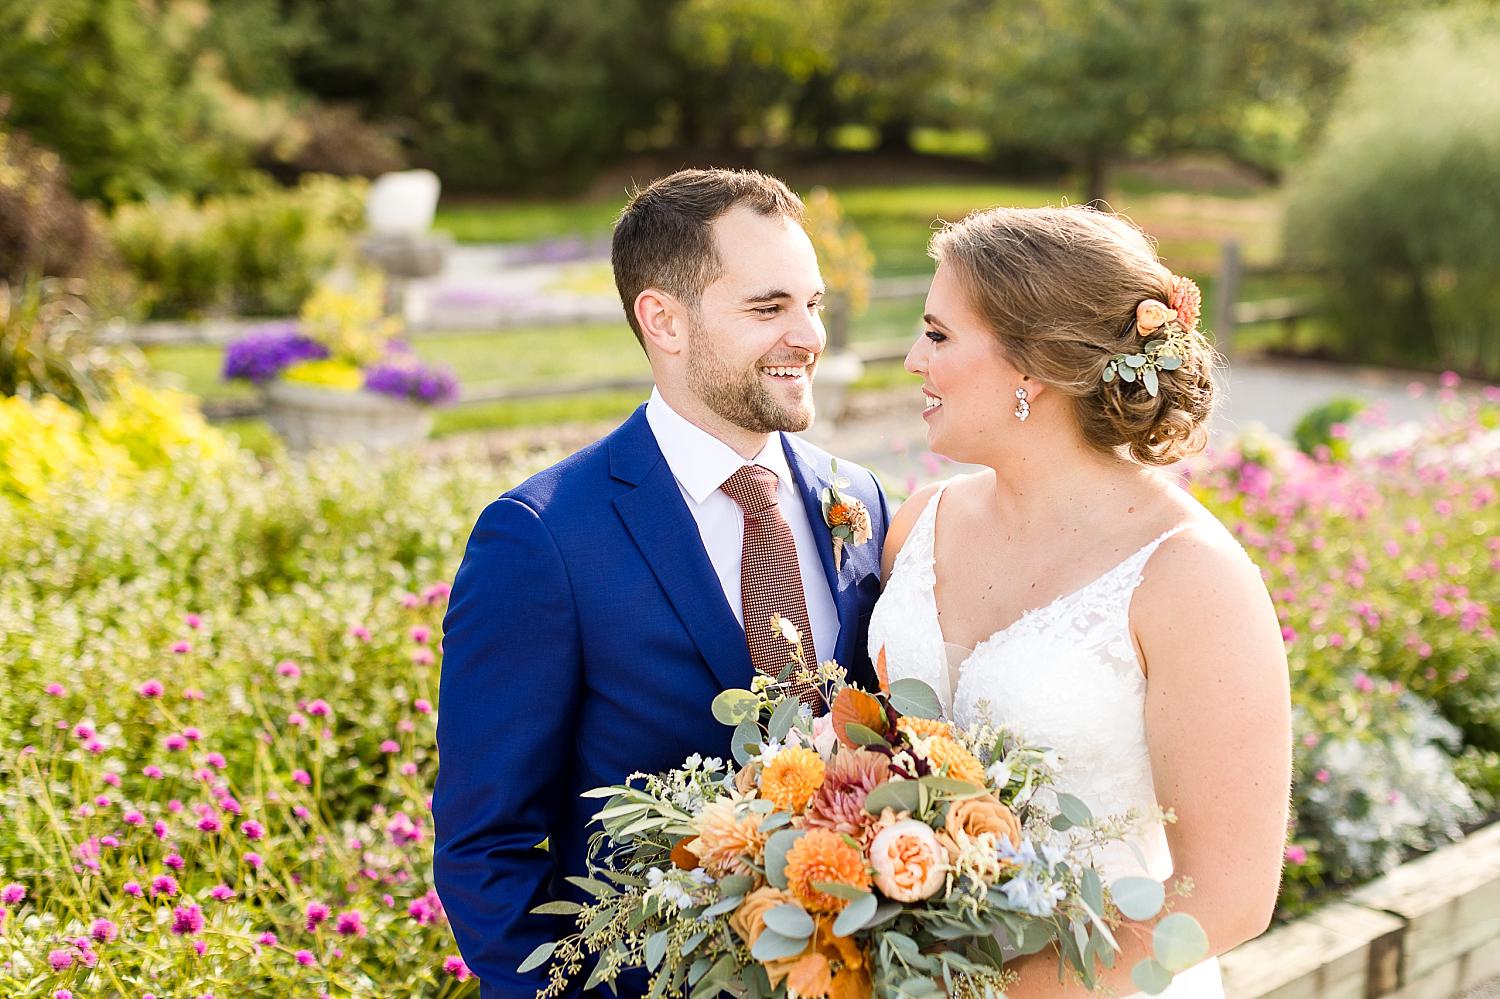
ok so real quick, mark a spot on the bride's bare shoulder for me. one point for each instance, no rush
(906, 517)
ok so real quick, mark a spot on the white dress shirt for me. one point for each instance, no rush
(701, 463)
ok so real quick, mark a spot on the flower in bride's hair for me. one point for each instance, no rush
(1186, 300)
(839, 804)
(922, 728)
(791, 778)
(1151, 315)
(941, 751)
(728, 843)
(909, 863)
(822, 856)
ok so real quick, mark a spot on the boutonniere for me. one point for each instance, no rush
(848, 519)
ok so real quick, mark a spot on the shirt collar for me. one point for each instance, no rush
(700, 461)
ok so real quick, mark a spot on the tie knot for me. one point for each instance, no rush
(753, 487)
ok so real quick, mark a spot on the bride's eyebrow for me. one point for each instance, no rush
(932, 320)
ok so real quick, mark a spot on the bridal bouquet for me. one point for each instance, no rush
(871, 851)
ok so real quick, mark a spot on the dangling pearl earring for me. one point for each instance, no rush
(1023, 408)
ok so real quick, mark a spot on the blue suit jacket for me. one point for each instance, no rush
(585, 638)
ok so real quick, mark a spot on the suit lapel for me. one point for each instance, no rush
(811, 482)
(657, 517)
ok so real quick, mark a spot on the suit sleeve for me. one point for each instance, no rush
(512, 667)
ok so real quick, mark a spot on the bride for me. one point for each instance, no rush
(1074, 593)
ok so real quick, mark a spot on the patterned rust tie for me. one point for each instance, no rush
(770, 579)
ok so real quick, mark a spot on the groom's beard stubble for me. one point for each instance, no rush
(740, 396)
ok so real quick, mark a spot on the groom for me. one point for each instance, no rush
(602, 604)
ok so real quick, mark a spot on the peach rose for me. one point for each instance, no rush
(749, 920)
(908, 861)
(974, 817)
(1151, 315)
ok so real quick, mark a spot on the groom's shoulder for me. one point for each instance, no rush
(580, 478)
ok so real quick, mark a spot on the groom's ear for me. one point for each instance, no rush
(660, 318)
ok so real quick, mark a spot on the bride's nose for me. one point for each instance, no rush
(916, 359)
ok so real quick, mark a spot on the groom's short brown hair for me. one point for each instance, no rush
(664, 239)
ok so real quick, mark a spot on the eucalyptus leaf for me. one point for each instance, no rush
(1127, 373)
(1179, 942)
(839, 890)
(746, 734)
(783, 717)
(1074, 809)
(1150, 977)
(1169, 362)
(863, 735)
(1148, 377)
(537, 957)
(790, 920)
(1061, 823)
(699, 969)
(1093, 891)
(902, 795)
(726, 904)
(1138, 898)
(951, 787)
(773, 822)
(855, 915)
(920, 987)
(736, 884)
(731, 707)
(1109, 372)
(596, 976)
(598, 889)
(776, 850)
(656, 949)
(915, 698)
(720, 974)
(771, 945)
(1134, 360)
(558, 908)
(692, 942)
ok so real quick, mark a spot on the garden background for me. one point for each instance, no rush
(220, 655)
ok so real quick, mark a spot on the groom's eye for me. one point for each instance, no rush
(766, 310)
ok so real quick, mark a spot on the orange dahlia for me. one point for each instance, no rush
(791, 778)
(941, 751)
(921, 728)
(728, 843)
(1187, 300)
(822, 855)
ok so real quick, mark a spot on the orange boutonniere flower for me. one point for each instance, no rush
(847, 518)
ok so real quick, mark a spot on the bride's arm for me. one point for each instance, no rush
(1218, 719)
(901, 525)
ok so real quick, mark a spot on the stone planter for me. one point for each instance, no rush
(307, 416)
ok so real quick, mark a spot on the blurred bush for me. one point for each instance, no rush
(331, 140)
(260, 253)
(44, 229)
(845, 260)
(1327, 426)
(1401, 203)
(49, 346)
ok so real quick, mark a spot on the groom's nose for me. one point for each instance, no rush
(807, 332)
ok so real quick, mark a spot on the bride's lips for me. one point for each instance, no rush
(931, 403)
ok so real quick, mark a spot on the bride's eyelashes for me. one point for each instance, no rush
(935, 336)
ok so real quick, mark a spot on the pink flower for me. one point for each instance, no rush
(13, 893)
(153, 771)
(296, 719)
(317, 912)
(436, 593)
(408, 769)
(182, 648)
(208, 824)
(175, 742)
(94, 746)
(425, 910)
(62, 994)
(223, 893)
(112, 779)
(193, 621)
(267, 939)
(151, 688)
(319, 708)
(1322, 776)
(301, 812)
(132, 888)
(351, 924)
(187, 920)
(56, 690)
(60, 959)
(103, 930)
(390, 746)
(252, 829)
(159, 829)
(192, 694)
(420, 634)
(191, 734)
(360, 632)
(423, 706)
(174, 861)
(423, 657)
(410, 600)
(83, 731)
(305, 958)
(401, 829)
(216, 760)
(1186, 300)
(1296, 855)
(454, 965)
(1151, 315)
(288, 668)
(909, 862)
(1363, 683)
(164, 884)
(302, 777)
(254, 860)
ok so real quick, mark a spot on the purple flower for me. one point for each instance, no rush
(263, 352)
(252, 829)
(12, 893)
(151, 688)
(60, 959)
(187, 920)
(405, 377)
(223, 893)
(103, 930)
(316, 913)
(164, 884)
(305, 957)
(351, 924)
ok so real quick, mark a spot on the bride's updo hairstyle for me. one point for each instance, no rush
(1059, 289)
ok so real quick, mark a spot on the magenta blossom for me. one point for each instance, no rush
(454, 965)
(60, 959)
(182, 648)
(13, 893)
(56, 690)
(351, 924)
(164, 885)
(253, 860)
(151, 688)
(317, 912)
(305, 958)
(103, 930)
(252, 829)
(187, 920)
(222, 893)
(288, 668)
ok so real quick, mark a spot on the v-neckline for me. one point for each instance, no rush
(1029, 612)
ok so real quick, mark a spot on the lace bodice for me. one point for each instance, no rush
(1065, 675)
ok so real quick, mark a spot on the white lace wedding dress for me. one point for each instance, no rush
(1066, 675)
